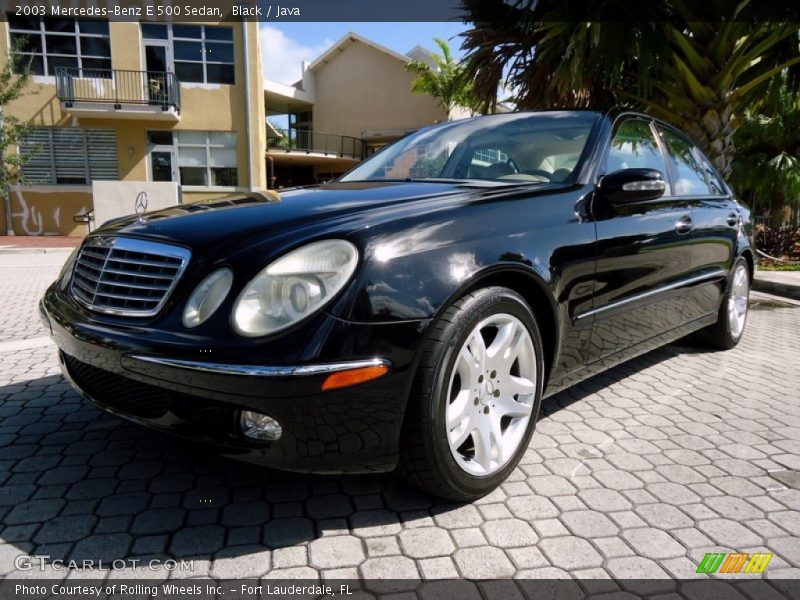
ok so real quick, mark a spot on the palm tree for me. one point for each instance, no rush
(697, 65)
(766, 172)
(445, 82)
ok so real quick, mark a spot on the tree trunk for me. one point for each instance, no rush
(712, 128)
(9, 217)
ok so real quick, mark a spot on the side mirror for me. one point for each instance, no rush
(632, 185)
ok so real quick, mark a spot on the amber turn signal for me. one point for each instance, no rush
(353, 377)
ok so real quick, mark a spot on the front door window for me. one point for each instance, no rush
(163, 165)
(634, 146)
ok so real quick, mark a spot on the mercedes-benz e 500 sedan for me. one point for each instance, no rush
(413, 314)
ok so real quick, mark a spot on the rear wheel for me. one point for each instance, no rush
(475, 398)
(732, 316)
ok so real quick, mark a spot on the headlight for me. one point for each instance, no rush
(293, 287)
(66, 270)
(207, 297)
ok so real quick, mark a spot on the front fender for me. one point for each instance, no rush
(414, 268)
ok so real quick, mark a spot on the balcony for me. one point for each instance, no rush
(116, 93)
(316, 145)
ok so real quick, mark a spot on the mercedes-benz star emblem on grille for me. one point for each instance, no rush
(141, 206)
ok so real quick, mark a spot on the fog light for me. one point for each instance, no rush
(260, 427)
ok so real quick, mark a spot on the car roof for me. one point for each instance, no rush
(612, 114)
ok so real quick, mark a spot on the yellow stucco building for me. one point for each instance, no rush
(174, 109)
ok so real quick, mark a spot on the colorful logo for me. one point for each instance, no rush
(734, 562)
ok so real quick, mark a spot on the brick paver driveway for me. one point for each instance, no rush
(636, 473)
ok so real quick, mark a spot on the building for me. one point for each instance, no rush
(175, 110)
(352, 100)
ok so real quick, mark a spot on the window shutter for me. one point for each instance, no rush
(37, 146)
(69, 155)
(102, 150)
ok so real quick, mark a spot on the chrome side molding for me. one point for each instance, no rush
(665, 288)
(261, 370)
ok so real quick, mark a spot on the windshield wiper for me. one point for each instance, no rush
(454, 181)
(463, 182)
(410, 180)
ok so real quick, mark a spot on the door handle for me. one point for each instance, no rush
(684, 224)
(733, 219)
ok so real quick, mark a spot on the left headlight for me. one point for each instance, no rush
(294, 287)
(65, 274)
(207, 297)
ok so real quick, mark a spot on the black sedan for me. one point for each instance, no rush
(413, 314)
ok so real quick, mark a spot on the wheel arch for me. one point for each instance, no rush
(533, 290)
(749, 257)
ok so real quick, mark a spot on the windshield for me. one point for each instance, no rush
(509, 148)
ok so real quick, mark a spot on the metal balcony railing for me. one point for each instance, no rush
(118, 87)
(308, 141)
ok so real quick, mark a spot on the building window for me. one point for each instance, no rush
(204, 158)
(69, 155)
(200, 53)
(207, 158)
(45, 44)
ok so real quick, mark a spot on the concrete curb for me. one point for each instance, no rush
(35, 250)
(779, 301)
(777, 288)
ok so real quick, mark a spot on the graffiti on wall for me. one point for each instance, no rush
(31, 221)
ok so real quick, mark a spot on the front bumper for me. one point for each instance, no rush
(172, 387)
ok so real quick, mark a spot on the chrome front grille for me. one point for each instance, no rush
(126, 276)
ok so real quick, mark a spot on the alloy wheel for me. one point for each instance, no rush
(737, 301)
(491, 394)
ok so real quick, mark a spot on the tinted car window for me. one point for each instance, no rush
(689, 173)
(715, 183)
(634, 146)
(509, 148)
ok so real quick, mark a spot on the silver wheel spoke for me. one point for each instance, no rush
(457, 410)
(518, 385)
(476, 347)
(506, 344)
(467, 365)
(460, 436)
(508, 407)
(496, 436)
(483, 446)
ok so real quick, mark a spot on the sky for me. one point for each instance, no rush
(286, 45)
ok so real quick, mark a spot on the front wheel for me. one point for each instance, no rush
(732, 316)
(475, 398)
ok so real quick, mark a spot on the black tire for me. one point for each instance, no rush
(426, 460)
(719, 336)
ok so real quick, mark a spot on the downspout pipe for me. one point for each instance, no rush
(270, 173)
(247, 107)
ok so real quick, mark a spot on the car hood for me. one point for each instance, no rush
(237, 221)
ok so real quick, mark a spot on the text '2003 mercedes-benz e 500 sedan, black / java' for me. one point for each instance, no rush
(413, 314)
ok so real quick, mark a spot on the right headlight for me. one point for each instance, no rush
(294, 287)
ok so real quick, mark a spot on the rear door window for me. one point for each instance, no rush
(688, 173)
(715, 182)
